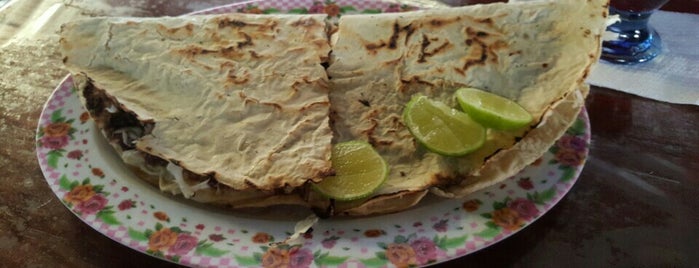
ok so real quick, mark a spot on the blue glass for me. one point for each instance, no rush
(635, 41)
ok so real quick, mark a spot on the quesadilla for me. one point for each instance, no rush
(525, 51)
(239, 109)
(225, 109)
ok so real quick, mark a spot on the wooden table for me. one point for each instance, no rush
(635, 204)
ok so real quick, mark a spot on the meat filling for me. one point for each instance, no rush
(123, 128)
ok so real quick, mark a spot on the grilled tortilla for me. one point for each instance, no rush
(232, 107)
(187, 104)
(530, 52)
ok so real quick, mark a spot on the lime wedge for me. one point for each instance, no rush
(491, 110)
(441, 129)
(359, 171)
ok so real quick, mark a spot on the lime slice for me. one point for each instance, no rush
(359, 171)
(491, 110)
(442, 129)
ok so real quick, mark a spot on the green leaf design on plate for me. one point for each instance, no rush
(400, 239)
(345, 9)
(543, 197)
(298, 11)
(371, 11)
(53, 156)
(492, 225)
(74, 184)
(568, 173)
(99, 189)
(64, 183)
(136, 235)
(208, 249)
(148, 232)
(374, 262)
(381, 255)
(447, 243)
(107, 216)
(499, 205)
(488, 233)
(57, 117)
(578, 128)
(247, 260)
(325, 259)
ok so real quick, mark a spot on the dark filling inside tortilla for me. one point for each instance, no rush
(123, 129)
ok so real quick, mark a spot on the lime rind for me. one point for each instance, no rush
(441, 129)
(491, 110)
(360, 171)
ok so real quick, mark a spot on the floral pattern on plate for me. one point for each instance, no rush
(334, 9)
(87, 176)
(330, 8)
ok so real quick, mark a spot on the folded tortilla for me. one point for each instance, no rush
(531, 52)
(223, 103)
(238, 109)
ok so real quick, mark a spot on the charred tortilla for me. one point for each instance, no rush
(238, 109)
(525, 51)
(238, 102)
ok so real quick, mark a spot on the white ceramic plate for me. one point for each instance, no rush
(89, 178)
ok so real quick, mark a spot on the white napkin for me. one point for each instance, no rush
(673, 76)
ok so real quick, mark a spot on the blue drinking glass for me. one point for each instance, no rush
(634, 40)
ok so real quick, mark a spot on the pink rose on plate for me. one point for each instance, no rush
(75, 154)
(525, 208)
(183, 244)
(317, 8)
(54, 143)
(92, 205)
(525, 183)
(300, 257)
(329, 242)
(572, 143)
(570, 158)
(126, 204)
(392, 8)
(441, 226)
(425, 250)
(216, 237)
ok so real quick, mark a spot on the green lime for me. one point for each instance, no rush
(359, 171)
(491, 110)
(442, 129)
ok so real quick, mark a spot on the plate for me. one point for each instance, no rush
(89, 178)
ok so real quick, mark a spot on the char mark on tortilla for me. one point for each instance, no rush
(426, 41)
(392, 42)
(229, 22)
